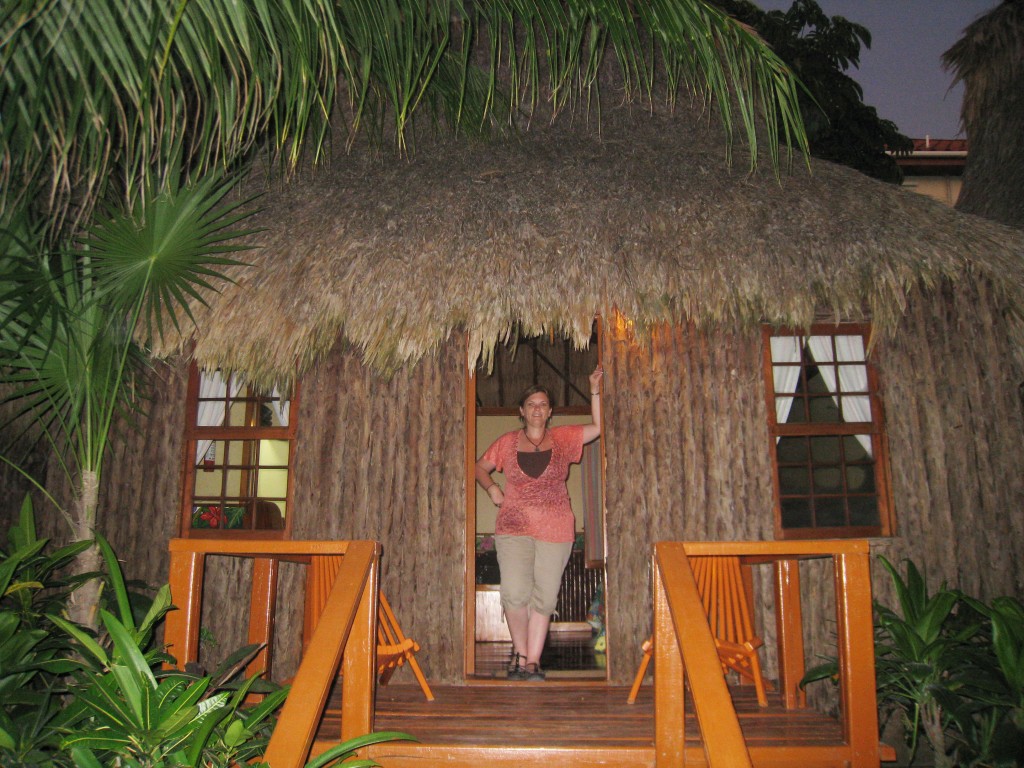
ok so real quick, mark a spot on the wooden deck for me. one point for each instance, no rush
(559, 722)
(579, 725)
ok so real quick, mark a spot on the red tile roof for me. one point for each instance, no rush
(928, 144)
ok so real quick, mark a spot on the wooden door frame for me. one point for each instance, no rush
(469, 589)
(469, 585)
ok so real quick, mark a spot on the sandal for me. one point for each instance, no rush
(516, 666)
(533, 672)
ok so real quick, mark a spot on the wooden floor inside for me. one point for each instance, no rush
(562, 722)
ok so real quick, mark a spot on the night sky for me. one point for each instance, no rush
(902, 74)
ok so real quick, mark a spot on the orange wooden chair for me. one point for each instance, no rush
(394, 649)
(723, 591)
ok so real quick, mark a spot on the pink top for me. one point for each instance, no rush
(537, 507)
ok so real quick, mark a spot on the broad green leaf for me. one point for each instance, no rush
(116, 579)
(343, 750)
(126, 650)
(87, 642)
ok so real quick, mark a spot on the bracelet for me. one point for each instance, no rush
(595, 394)
(488, 488)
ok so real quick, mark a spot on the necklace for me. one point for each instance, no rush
(536, 446)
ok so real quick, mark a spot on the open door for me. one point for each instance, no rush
(575, 647)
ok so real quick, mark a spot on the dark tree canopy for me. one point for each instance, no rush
(820, 49)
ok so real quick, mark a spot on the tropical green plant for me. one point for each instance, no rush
(97, 93)
(920, 653)
(72, 697)
(992, 732)
(74, 328)
(33, 659)
(821, 50)
(952, 668)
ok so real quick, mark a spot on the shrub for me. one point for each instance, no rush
(952, 668)
(73, 697)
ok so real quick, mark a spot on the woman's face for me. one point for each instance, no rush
(536, 410)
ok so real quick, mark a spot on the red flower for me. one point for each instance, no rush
(211, 516)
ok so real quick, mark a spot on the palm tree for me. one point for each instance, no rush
(989, 59)
(117, 118)
(75, 326)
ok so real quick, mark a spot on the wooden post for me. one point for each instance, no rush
(262, 609)
(181, 632)
(350, 605)
(789, 629)
(669, 694)
(856, 657)
(359, 664)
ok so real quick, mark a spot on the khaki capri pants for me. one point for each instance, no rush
(531, 571)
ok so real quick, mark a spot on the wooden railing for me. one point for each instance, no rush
(344, 637)
(684, 646)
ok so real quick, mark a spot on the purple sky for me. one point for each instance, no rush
(902, 74)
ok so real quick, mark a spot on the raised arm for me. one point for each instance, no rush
(592, 430)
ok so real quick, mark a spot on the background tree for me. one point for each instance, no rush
(119, 116)
(820, 50)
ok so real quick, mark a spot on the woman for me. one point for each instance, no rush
(535, 528)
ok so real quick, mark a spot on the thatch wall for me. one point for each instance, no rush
(384, 460)
(952, 392)
(141, 493)
(686, 442)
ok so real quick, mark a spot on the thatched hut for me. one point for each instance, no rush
(379, 285)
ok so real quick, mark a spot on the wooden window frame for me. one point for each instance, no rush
(195, 433)
(875, 428)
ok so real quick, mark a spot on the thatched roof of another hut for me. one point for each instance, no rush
(543, 232)
(989, 59)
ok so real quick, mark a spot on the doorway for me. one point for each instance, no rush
(575, 648)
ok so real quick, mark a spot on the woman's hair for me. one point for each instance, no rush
(533, 391)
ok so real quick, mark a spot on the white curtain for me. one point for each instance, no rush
(281, 408)
(212, 405)
(785, 349)
(853, 377)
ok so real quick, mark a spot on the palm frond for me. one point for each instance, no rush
(150, 260)
(96, 94)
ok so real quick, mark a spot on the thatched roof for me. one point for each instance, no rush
(546, 231)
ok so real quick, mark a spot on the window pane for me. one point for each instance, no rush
(792, 450)
(850, 348)
(827, 480)
(830, 512)
(863, 510)
(822, 406)
(796, 513)
(860, 478)
(241, 484)
(793, 481)
(855, 408)
(825, 450)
